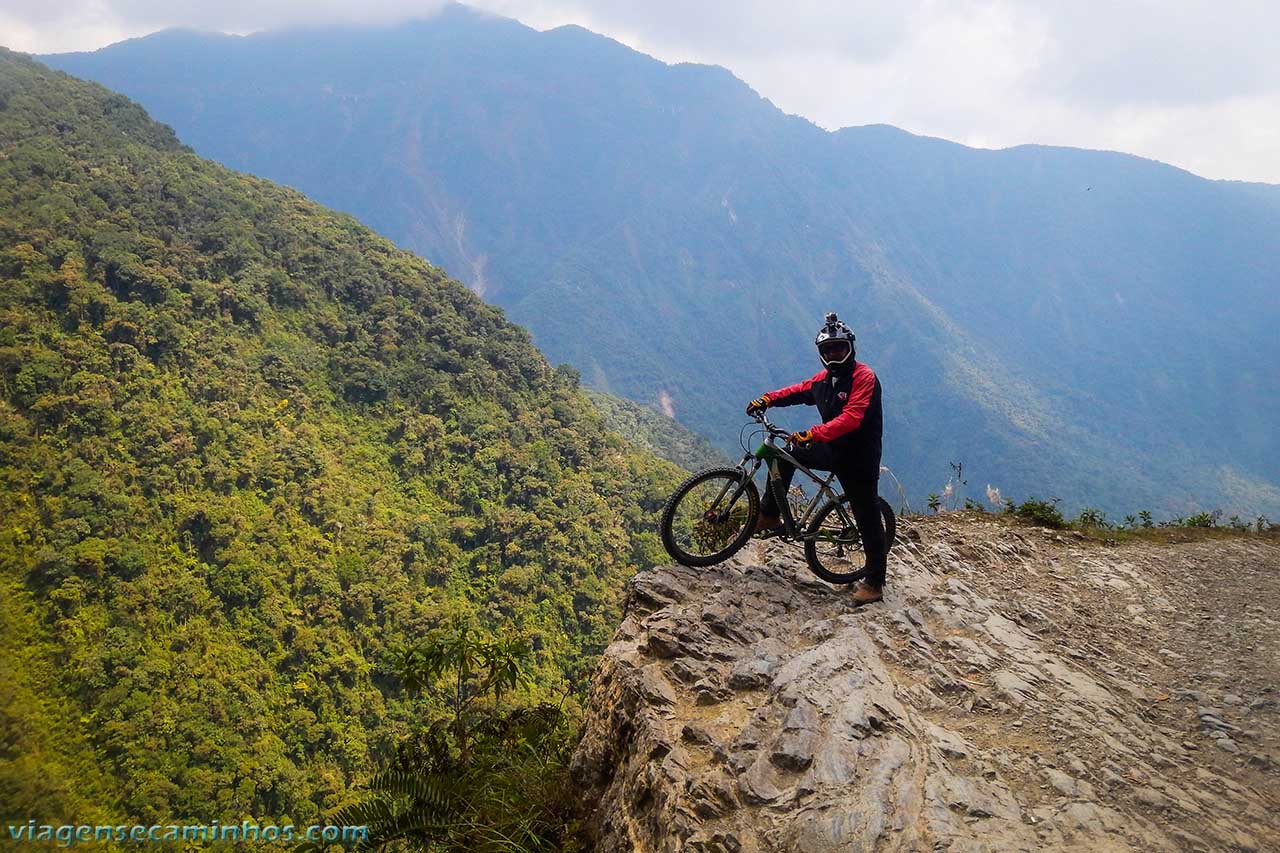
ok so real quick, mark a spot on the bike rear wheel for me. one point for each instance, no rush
(710, 517)
(833, 543)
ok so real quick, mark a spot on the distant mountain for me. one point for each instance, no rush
(248, 449)
(1080, 324)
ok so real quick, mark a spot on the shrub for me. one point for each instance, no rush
(1043, 513)
(1200, 519)
(1090, 517)
(483, 778)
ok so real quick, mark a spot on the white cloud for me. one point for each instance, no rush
(40, 34)
(38, 26)
(1143, 51)
(1191, 82)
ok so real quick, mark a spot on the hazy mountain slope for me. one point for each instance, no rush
(1083, 324)
(652, 430)
(247, 449)
(1118, 274)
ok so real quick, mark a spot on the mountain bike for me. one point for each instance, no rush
(710, 517)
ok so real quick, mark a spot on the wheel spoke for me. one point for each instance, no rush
(704, 521)
(834, 542)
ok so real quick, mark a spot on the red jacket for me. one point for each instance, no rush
(849, 403)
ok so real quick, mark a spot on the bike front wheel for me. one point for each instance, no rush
(710, 517)
(833, 543)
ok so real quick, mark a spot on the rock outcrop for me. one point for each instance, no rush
(1018, 689)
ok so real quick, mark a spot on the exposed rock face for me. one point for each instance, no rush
(1016, 690)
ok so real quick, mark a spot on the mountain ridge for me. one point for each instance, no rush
(581, 32)
(589, 37)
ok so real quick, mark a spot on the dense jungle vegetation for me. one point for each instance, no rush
(249, 451)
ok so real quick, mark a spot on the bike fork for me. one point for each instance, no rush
(733, 499)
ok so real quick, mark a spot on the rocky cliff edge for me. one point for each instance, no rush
(1018, 689)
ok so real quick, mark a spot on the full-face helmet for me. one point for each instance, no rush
(835, 343)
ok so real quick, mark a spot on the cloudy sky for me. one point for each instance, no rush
(1190, 82)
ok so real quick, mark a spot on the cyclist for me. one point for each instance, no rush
(847, 442)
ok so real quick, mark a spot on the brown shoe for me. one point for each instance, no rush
(766, 522)
(865, 593)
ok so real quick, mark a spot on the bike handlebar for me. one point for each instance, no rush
(775, 431)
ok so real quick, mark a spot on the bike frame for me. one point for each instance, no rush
(769, 454)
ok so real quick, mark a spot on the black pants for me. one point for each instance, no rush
(862, 490)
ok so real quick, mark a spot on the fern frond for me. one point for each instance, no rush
(423, 789)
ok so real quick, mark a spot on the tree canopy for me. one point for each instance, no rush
(247, 449)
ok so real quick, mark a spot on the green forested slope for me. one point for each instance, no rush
(655, 432)
(247, 447)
